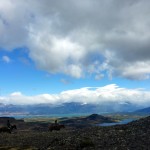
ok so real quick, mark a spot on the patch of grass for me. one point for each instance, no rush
(86, 142)
(40, 119)
(17, 148)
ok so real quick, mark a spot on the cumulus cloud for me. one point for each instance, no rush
(6, 59)
(80, 37)
(87, 95)
(65, 81)
(99, 76)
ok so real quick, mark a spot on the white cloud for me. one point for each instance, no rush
(89, 95)
(99, 76)
(65, 81)
(141, 73)
(61, 56)
(69, 37)
(6, 59)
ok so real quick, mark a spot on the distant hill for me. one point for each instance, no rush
(143, 111)
(87, 121)
(97, 118)
(3, 121)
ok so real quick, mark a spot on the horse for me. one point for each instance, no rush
(5, 129)
(62, 126)
(56, 127)
(13, 127)
(8, 129)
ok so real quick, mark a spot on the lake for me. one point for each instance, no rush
(125, 121)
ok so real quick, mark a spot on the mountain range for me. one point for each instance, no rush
(143, 111)
(67, 108)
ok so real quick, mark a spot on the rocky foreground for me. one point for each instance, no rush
(133, 136)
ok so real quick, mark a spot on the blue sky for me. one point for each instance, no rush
(21, 74)
(50, 48)
(21, 79)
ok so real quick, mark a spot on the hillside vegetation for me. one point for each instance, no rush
(134, 135)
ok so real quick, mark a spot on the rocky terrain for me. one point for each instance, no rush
(132, 136)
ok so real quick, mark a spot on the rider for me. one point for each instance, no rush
(8, 124)
(56, 122)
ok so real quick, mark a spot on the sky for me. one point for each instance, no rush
(89, 51)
